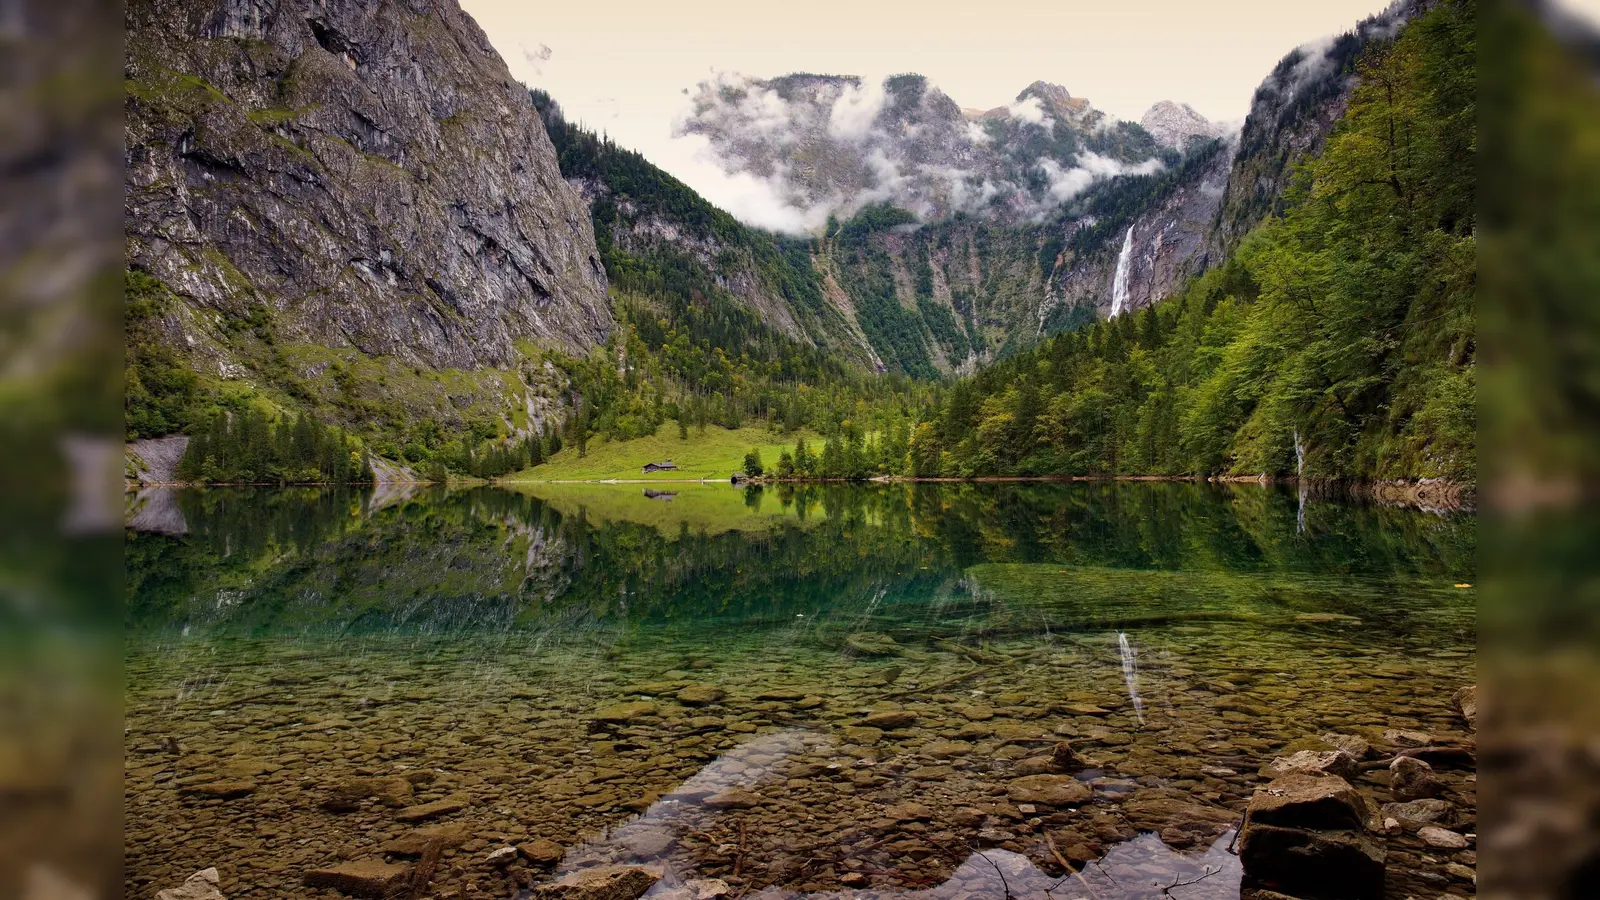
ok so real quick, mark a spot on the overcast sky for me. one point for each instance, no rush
(621, 66)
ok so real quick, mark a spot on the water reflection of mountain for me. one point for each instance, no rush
(492, 558)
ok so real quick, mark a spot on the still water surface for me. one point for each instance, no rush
(818, 691)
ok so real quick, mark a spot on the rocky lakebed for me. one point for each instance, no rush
(1060, 766)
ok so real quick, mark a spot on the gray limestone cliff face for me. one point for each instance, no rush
(349, 175)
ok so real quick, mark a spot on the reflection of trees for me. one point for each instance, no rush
(310, 558)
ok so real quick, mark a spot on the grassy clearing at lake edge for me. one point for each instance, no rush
(715, 453)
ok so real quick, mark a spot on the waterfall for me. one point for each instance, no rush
(1130, 675)
(1119, 286)
(1299, 456)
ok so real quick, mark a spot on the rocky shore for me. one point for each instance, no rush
(458, 769)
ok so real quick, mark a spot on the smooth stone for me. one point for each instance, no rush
(1442, 838)
(426, 811)
(733, 798)
(346, 795)
(223, 790)
(1049, 790)
(501, 858)
(603, 883)
(910, 811)
(372, 878)
(860, 734)
(1357, 747)
(701, 694)
(648, 843)
(889, 720)
(1311, 762)
(871, 643)
(202, 885)
(1412, 779)
(1414, 814)
(946, 749)
(416, 842)
(541, 852)
(626, 712)
(1402, 738)
(1308, 801)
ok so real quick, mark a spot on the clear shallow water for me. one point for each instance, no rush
(598, 668)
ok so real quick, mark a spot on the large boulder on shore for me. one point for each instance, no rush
(1324, 802)
(1337, 865)
(1305, 834)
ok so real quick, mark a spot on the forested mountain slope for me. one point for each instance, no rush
(1338, 341)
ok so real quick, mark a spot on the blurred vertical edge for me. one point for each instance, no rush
(1539, 129)
(60, 449)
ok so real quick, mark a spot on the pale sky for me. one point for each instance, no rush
(621, 66)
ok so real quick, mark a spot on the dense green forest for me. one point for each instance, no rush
(1346, 325)
(249, 448)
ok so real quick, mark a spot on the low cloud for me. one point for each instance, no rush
(1030, 110)
(785, 153)
(536, 57)
(854, 113)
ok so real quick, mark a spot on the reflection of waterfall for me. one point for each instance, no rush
(1119, 285)
(1300, 477)
(1131, 675)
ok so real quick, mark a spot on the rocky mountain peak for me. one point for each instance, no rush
(1173, 124)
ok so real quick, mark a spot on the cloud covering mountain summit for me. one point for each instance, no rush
(788, 152)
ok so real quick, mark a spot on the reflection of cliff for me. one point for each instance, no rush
(154, 510)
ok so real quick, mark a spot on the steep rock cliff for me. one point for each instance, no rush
(362, 180)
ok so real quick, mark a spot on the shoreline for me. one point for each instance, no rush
(1428, 494)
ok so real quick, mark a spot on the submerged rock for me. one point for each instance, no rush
(621, 713)
(1357, 747)
(872, 643)
(541, 852)
(346, 795)
(1050, 790)
(604, 883)
(733, 798)
(426, 811)
(372, 878)
(223, 790)
(1065, 759)
(701, 694)
(889, 720)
